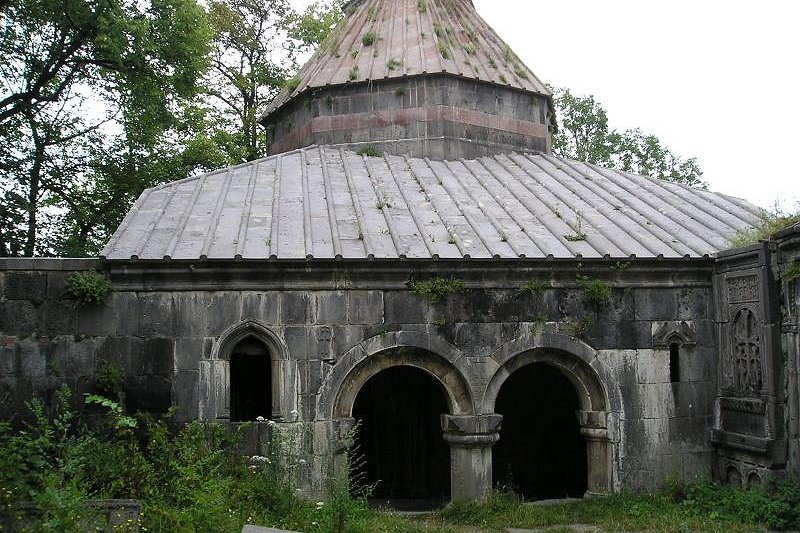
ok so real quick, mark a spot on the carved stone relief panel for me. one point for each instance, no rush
(746, 360)
(743, 289)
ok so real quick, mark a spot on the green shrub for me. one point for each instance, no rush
(369, 151)
(89, 287)
(597, 292)
(368, 39)
(435, 289)
(772, 222)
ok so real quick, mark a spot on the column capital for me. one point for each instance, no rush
(472, 430)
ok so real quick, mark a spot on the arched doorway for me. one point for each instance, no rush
(399, 441)
(541, 452)
(250, 381)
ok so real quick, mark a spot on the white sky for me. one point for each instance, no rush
(714, 79)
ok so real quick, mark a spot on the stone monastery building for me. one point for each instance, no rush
(412, 256)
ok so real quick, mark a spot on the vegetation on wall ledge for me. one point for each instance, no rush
(89, 287)
(436, 289)
(596, 291)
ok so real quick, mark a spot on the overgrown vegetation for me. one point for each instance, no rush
(792, 271)
(436, 289)
(193, 480)
(535, 286)
(694, 507)
(772, 222)
(89, 287)
(369, 151)
(368, 39)
(596, 292)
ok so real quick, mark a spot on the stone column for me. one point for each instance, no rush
(471, 439)
(595, 431)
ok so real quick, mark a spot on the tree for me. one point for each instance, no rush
(584, 135)
(255, 50)
(75, 72)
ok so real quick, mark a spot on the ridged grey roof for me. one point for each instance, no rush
(411, 37)
(324, 202)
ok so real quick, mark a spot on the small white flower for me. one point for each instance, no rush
(301, 461)
(271, 423)
(260, 419)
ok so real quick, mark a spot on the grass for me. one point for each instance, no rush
(193, 480)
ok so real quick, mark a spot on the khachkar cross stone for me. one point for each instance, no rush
(746, 357)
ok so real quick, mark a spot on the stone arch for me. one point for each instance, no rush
(572, 356)
(215, 372)
(419, 349)
(578, 362)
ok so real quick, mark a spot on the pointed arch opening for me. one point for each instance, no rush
(250, 381)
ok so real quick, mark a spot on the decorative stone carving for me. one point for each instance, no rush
(674, 332)
(746, 358)
(743, 289)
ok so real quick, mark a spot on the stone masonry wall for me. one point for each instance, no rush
(442, 117)
(165, 318)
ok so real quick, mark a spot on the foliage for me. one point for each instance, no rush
(580, 327)
(696, 507)
(792, 271)
(109, 378)
(103, 99)
(772, 222)
(597, 292)
(584, 134)
(76, 74)
(436, 289)
(89, 287)
(368, 39)
(121, 420)
(535, 286)
(369, 151)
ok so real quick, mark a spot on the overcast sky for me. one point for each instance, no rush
(715, 79)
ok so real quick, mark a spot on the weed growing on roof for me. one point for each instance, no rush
(596, 291)
(435, 289)
(521, 72)
(368, 39)
(772, 222)
(576, 237)
(369, 151)
(438, 30)
(422, 6)
(394, 64)
(89, 287)
(383, 202)
(354, 73)
(470, 49)
(292, 84)
(444, 50)
(503, 78)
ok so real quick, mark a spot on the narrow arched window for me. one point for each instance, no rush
(674, 362)
(251, 381)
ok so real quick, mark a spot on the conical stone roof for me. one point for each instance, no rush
(391, 39)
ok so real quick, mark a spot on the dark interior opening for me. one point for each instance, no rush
(541, 453)
(251, 381)
(674, 363)
(399, 440)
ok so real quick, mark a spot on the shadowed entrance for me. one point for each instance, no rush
(251, 379)
(541, 452)
(400, 438)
